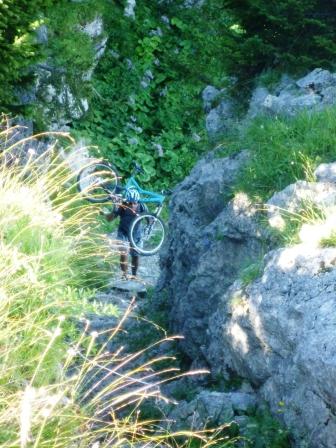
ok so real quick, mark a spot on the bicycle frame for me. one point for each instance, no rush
(149, 196)
(146, 196)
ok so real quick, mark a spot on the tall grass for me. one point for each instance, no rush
(58, 387)
(284, 149)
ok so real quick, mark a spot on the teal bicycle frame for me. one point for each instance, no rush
(146, 196)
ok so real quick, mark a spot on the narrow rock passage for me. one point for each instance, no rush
(121, 293)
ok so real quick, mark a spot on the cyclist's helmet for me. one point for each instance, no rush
(132, 195)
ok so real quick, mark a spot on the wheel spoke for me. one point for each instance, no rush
(148, 234)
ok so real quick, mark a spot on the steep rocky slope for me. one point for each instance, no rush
(211, 239)
(313, 92)
(278, 331)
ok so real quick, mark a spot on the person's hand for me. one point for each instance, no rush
(104, 211)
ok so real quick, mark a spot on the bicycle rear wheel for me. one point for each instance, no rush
(98, 182)
(147, 234)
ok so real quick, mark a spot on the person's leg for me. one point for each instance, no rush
(124, 263)
(123, 251)
(135, 264)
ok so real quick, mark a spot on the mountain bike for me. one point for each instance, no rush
(99, 182)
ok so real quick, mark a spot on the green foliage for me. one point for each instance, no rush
(264, 431)
(269, 78)
(284, 150)
(65, 27)
(41, 289)
(329, 241)
(251, 272)
(147, 105)
(18, 48)
(51, 373)
(67, 53)
(287, 34)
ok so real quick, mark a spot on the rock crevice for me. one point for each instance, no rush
(276, 327)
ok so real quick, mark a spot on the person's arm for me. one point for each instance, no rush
(144, 209)
(111, 215)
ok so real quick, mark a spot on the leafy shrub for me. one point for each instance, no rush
(263, 431)
(147, 105)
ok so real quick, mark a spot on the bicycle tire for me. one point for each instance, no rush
(152, 231)
(101, 191)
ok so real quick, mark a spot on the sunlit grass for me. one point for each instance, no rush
(59, 388)
(285, 149)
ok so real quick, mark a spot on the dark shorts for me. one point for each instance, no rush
(127, 245)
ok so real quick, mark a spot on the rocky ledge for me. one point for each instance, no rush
(276, 329)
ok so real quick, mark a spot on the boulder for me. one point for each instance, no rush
(314, 91)
(276, 330)
(220, 118)
(301, 195)
(279, 333)
(326, 172)
(208, 408)
(318, 79)
(212, 409)
(208, 95)
(210, 239)
(259, 95)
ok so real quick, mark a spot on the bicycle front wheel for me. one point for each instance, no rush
(98, 182)
(147, 234)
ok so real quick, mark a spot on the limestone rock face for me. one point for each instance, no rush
(276, 330)
(211, 239)
(326, 172)
(314, 91)
(208, 96)
(55, 96)
(218, 119)
(220, 110)
(211, 408)
(279, 332)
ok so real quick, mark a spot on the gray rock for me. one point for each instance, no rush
(19, 129)
(130, 286)
(208, 408)
(25, 96)
(95, 28)
(241, 402)
(313, 92)
(51, 90)
(297, 196)
(288, 104)
(286, 84)
(208, 95)
(210, 239)
(129, 10)
(257, 100)
(280, 335)
(278, 332)
(42, 34)
(220, 118)
(326, 172)
(317, 79)
(328, 96)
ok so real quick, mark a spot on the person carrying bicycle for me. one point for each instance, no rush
(127, 211)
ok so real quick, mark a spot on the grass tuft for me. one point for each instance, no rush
(285, 149)
(59, 387)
